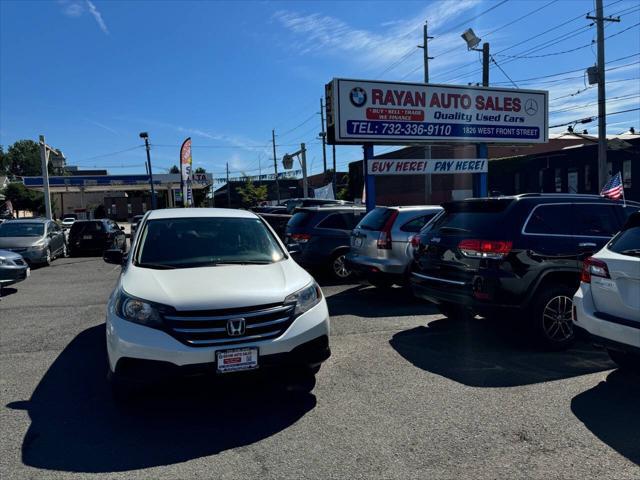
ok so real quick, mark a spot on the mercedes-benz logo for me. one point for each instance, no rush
(531, 107)
(358, 97)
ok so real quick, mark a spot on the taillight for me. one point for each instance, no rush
(301, 237)
(385, 240)
(414, 240)
(592, 267)
(485, 248)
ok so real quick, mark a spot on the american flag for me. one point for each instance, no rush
(613, 188)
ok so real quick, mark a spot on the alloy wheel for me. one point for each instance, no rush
(340, 267)
(556, 319)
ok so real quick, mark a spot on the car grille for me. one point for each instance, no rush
(205, 328)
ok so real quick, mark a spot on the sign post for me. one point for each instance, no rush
(369, 180)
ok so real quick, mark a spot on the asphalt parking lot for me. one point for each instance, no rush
(406, 394)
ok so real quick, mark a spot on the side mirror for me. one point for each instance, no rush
(114, 256)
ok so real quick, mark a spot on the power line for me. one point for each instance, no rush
(307, 120)
(591, 119)
(468, 21)
(612, 99)
(109, 154)
(503, 72)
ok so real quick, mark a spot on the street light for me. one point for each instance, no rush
(145, 136)
(480, 180)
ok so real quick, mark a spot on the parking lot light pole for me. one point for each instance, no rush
(145, 136)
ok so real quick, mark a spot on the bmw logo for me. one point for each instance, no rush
(531, 107)
(358, 97)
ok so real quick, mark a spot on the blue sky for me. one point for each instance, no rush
(91, 75)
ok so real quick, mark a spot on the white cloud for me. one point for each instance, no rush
(317, 33)
(98, 16)
(77, 8)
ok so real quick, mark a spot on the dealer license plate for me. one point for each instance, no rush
(237, 359)
(87, 237)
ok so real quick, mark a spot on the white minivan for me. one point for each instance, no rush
(211, 291)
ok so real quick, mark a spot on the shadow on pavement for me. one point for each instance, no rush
(6, 291)
(492, 353)
(611, 411)
(75, 425)
(369, 302)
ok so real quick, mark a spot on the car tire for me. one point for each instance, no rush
(338, 268)
(627, 362)
(550, 318)
(65, 251)
(48, 258)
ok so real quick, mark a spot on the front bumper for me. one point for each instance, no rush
(13, 274)
(367, 265)
(135, 349)
(603, 332)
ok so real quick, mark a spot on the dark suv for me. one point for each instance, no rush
(96, 236)
(319, 237)
(518, 255)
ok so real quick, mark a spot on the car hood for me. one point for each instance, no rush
(10, 255)
(18, 242)
(216, 287)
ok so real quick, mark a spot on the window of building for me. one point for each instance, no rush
(558, 180)
(587, 178)
(626, 173)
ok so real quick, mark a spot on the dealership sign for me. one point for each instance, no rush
(404, 166)
(362, 111)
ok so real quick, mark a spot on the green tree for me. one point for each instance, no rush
(23, 159)
(3, 161)
(200, 170)
(251, 195)
(174, 169)
(21, 197)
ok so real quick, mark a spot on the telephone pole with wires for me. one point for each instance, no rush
(323, 135)
(275, 163)
(602, 107)
(427, 148)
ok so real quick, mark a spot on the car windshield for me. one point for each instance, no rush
(20, 229)
(86, 227)
(206, 241)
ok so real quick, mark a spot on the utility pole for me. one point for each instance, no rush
(44, 158)
(305, 183)
(480, 180)
(335, 177)
(602, 107)
(427, 148)
(228, 188)
(324, 138)
(145, 136)
(275, 164)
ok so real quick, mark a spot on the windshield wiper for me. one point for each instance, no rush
(635, 252)
(156, 266)
(241, 262)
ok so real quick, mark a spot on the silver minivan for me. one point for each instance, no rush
(380, 249)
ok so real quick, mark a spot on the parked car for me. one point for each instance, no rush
(293, 203)
(380, 242)
(607, 304)
(269, 209)
(211, 291)
(320, 236)
(135, 221)
(13, 268)
(37, 240)
(519, 255)
(67, 222)
(95, 236)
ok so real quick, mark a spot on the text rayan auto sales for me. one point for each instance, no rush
(463, 101)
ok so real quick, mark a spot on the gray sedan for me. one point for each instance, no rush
(38, 240)
(13, 268)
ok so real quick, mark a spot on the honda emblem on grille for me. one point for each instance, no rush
(235, 327)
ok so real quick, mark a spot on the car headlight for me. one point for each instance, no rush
(305, 298)
(36, 248)
(4, 261)
(138, 311)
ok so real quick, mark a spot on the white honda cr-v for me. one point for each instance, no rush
(211, 291)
